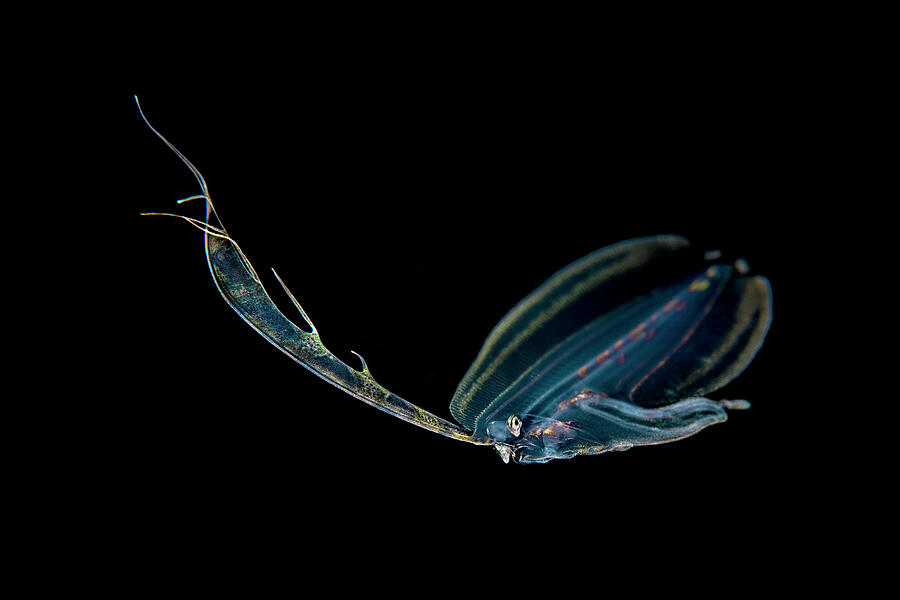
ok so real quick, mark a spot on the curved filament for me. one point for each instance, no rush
(243, 290)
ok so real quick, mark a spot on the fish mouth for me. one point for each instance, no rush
(540, 439)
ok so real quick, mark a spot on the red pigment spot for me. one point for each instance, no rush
(650, 333)
(602, 357)
(585, 394)
(621, 359)
(637, 333)
(582, 371)
(654, 317)
(670, 305)
(618, 344)
(681, 306)
(558, 428)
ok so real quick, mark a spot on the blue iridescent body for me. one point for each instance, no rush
(618, 349)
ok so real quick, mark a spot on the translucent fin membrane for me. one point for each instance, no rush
(585, 290)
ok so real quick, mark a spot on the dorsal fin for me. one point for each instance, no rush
(580, 292)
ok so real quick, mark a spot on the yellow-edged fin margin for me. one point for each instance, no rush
(755, 304)
(537, 309)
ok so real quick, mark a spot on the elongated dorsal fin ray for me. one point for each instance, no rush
(210, 208)
(201, 225)
(242, 289)
(365, 367)
(294, 300)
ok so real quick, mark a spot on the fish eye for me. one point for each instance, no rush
(514, 423)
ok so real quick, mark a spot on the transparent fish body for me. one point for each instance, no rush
(618, 349)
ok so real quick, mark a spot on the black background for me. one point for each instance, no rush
(409, 204)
